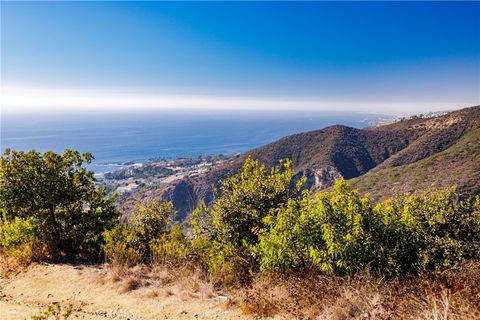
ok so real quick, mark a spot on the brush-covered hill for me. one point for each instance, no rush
(403, 156)
(457, 165)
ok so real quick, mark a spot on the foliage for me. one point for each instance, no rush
(150, 221)
(339, 232)
(170, 247)
(447, 228)
(55, 194)
(146, 236)
(237, 216)
(227, 232)
(332, 233)
(261, 222)
(20, 240)
(122, 246)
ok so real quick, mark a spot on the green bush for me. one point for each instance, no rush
(446, 229)
(18, 232)
(246, 198)
(227, 232)
(146, 236)
(171, 247)
(57, 196)
(150, 221)
(225, 263)
(398, 238)
(122, 246)
(339, 232)
(332, 233)
(21, 239)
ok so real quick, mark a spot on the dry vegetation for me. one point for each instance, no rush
(448, 295)
(183, 292)
(100, 291)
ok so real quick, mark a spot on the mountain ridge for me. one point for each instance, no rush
(325, 155)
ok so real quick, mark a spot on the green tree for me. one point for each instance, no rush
(60, 193)
(227, 231)
(247, 198)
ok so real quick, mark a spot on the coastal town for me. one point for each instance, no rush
(156, 173)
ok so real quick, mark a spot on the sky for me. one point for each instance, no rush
(383, 57)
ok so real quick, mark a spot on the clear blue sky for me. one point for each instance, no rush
(425, 54)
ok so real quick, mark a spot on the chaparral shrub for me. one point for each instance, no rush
(49, 201)
(227, 232)
(339, 232)
(147, 236)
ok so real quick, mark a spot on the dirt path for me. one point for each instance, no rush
(94, 295)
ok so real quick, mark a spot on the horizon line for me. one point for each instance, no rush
(32, 99)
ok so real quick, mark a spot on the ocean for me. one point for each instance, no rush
(118, 138)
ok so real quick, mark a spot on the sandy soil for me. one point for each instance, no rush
(94, 294)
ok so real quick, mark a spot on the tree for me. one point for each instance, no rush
(60, 193)
(227, 232)
(248, 197)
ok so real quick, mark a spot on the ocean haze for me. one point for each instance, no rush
(117, 138)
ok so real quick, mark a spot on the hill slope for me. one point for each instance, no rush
(402, 150)
(458, 165)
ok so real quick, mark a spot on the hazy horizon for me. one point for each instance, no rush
(124, 137)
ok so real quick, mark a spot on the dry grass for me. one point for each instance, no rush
(185, 281)
(130, 285)
(449, 295)
(454, 294)
(14, 261)
(153, 294)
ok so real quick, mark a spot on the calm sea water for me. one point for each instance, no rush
(118, 138)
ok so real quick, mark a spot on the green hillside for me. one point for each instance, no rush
(458, 165)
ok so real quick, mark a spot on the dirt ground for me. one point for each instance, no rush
(95, 294)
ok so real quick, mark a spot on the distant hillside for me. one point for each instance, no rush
(404, 156)
(457, 165)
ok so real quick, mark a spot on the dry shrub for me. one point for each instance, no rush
(161, 275)
(152, 294)
(454, 294)
(15, 260)
(10, 265)
(115, 277)
(168, 292)
(186, 281)
(130, 284)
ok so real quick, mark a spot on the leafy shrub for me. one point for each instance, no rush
(332, 233)
(398, 239)
(150, 221)
(226, 233)
(339, 232)
(18, 232)
(57, 194)
(225, 263)
(260, 223)
(169, 248)
(146, 236)
(21, 240)
(446, 229)
(122, 247)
